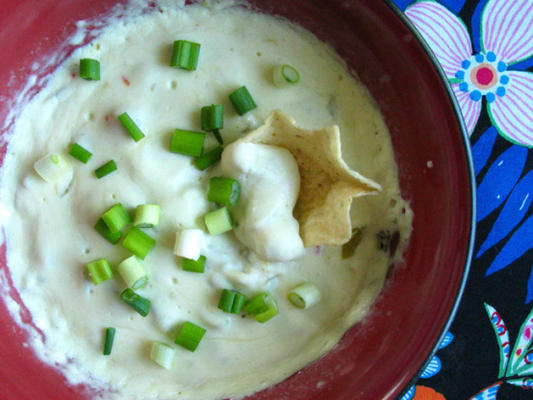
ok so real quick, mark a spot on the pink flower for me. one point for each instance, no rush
(506, 39)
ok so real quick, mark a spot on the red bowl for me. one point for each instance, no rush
(379, 357)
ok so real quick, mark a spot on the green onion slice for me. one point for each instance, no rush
(238, 303)
(116, 218)
(193, 265)
(305, 295)
(226, 300)
(218, 221)
(185, 55)
(138, 242)
(131, 126)
(80, 153)
(90, 69)
(267, 314)
(285, 75)
(262, 306)
(242, 100)
(109, 339)
(186, 142)
(147, 215)
(189, 243)
(103, 230)
(138, 303)
(207, 159)
(258, 303)
(212, 118)
(231, 301)
(162, 354)
(52, 167)
(190, 336)
(223, 190)
(105, 169)
(100, 270)
(133, 272)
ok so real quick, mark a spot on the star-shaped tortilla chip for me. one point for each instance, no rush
(327, 184)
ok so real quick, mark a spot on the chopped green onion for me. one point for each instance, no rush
(231, 301)
(209, 158)
(242, 100)
(162, 354)
(131, 126)
(213, 120)
(212, 117)
(189, 243)
(52, 167)
(189, 143)
(285, 75)
(138, 242)
(109, 339)
(103, 230)
(133, 272)
(223, 190)
(190, 336)
(270, 313)
(138, 303)
(90, 69)
(147, 215)
(116, 218)
(79, 153)
(218, 221)
(238, 303)
(305, 295)
(100, 270)
(226, 300)
(193, 265)
(257, 303)
(263, 307)
(105, 169)
(185, 55)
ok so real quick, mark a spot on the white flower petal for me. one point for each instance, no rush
(507, 29)
(512, 114)
(445, 33)
(470, 108)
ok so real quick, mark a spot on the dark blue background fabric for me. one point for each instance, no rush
(468, 362)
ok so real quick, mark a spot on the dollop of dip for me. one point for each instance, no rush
(50, 235)
(270, 185)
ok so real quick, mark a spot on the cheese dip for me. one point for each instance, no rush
(50, 235)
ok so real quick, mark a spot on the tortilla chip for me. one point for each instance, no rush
(327, 185)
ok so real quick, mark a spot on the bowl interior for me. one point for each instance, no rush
(378, 357)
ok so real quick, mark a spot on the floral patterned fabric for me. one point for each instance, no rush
(485, 48)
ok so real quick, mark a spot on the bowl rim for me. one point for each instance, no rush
(472, 179)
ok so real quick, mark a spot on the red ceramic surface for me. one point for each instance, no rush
(377, 358)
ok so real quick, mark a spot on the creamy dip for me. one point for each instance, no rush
(270, 185)
(50, 235)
